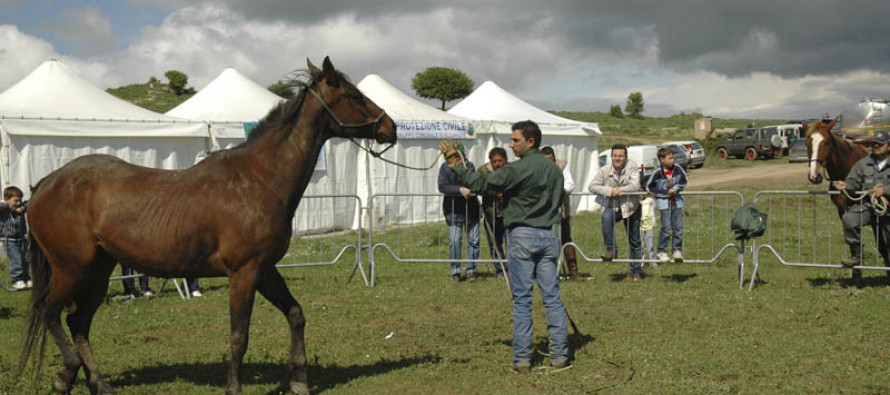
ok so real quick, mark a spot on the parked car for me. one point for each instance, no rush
(790, 133)
(752, 143)
(798, 151)
(694, 149)
(681, 155)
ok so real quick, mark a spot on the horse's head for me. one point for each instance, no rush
(352, 113)
(820, 142)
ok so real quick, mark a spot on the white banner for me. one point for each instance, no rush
(453, 129)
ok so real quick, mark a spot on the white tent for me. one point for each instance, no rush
(231, 100)
(496, 110)
(226, 103)
(53, 116)
(420, 127)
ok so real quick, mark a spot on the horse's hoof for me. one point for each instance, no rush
(299, 388)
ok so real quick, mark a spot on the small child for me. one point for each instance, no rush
(647, 228)
(666, 184)
(13, 230)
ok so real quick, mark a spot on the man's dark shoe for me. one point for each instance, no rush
(850, 261)
(608, 256)
(455, 278)
(471, 277)
(560, 366)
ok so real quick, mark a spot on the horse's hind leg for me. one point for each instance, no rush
(275, 290)
(88, 301)
(71, 361)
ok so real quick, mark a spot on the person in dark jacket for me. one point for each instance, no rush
(461, 211)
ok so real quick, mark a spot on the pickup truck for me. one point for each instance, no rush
(752, 143)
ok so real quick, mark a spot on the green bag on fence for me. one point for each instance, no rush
(748, 222)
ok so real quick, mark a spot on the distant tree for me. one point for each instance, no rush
(282, 89)
(178, 81)
(442, 83)
(152, 82)
(615, 111)
(634, 105)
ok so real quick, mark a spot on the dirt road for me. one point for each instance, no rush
(766, 175)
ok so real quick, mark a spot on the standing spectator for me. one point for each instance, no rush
(609, 184)
(647, 228)
(192, 287)
(532, 195)
(870, 174)
(130, 287)
(493, 210)
(13, 229)
(461, 210)
(565, 225)
(666, 184)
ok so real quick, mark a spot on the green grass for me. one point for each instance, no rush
(686, 329)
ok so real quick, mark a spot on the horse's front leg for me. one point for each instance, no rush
(242, 289)
(275, 290)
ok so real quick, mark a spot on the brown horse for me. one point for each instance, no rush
(229, 215)
(832, 155)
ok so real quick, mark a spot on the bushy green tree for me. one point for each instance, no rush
(177, 81)
(615, 111)
(442, 83)
(282, 89)
(634, 106)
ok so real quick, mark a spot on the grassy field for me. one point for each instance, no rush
(686, 329)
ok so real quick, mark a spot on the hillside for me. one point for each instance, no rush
(654, 130)
(153, 95)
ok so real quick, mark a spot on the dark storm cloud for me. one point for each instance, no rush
(733, 38)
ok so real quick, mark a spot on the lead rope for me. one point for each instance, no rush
(880, 204)
(378, 155)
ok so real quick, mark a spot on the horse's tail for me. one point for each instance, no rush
(35, 328)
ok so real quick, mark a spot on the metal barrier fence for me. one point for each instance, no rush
(322, 233)
(706, 238)
(804, 230)
(404, 226)
(416, 236)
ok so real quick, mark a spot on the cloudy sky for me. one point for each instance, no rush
(747, 59)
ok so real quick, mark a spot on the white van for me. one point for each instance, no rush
(645, 155)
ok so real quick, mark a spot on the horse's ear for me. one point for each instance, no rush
(806, 127)
(833, 122)
(312, 68)
(330, 74)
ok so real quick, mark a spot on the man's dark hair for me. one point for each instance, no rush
(664, 151)
(620, 146)
(530, 130)
(497, 151)
(10, 192)
(548, 150)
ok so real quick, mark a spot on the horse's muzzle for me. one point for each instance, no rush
(815, 180)
(386, 131)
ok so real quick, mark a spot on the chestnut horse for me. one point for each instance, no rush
(832, 155)
(229, 215)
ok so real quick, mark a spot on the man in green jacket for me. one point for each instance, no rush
(532, 188)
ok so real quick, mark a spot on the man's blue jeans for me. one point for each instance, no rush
(671, 222)
(455, 238)
(632, 225)
(18, 259)
(533, 253)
